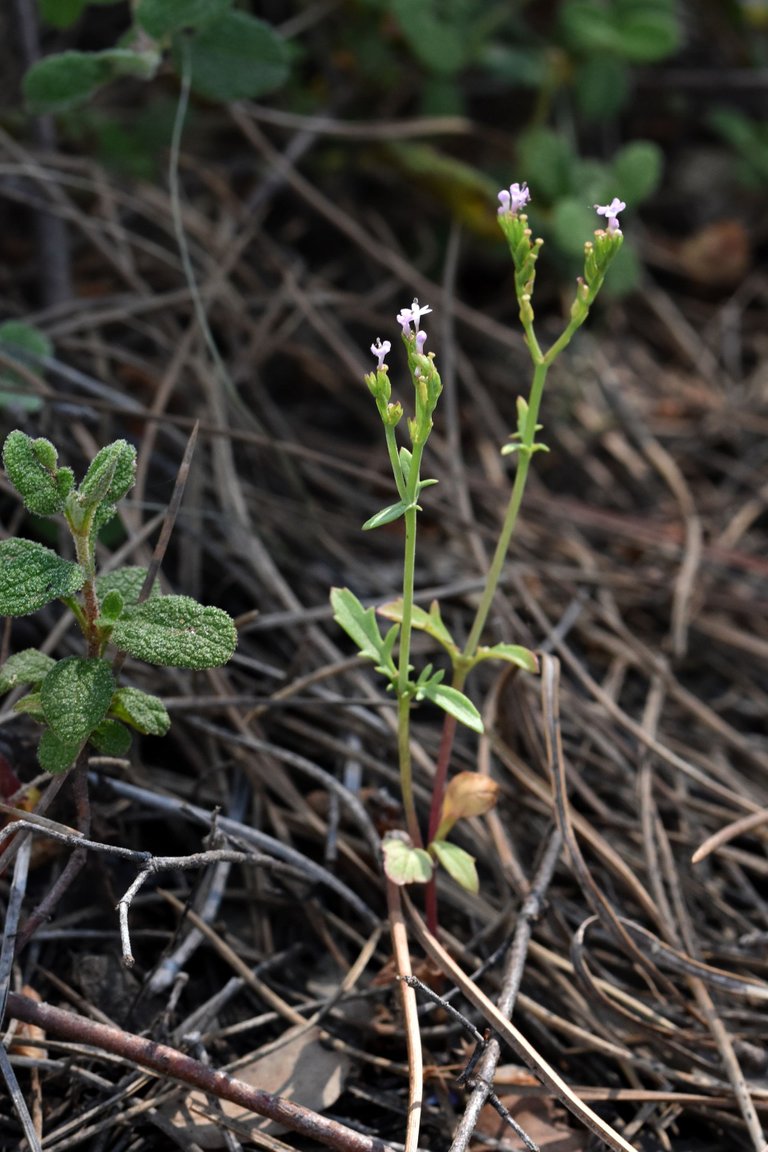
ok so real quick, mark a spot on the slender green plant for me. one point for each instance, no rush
(409, 857)
(77, 700)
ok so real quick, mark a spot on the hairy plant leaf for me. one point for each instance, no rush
(31, 468)
(27, 667)
(142, 711)
(405, 864)
(177, 632)
(111, 474)
(127, 581)
(111, 738)
(236, 57)
(57, 755)
(32, 575)
(75, 696)
(457, 863)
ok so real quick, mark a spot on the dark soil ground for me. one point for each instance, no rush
(640, 566)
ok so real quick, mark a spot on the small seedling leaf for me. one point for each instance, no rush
(111, 474)
(512, 654)
(160, 18)
(146, 713)
(111, 609)
(32, 575)
(177, 632)
(405, 864)
(457, 863)
(456, 704)
(75, 696)
(57, 755)
(27, 667)
(360, 625)
(111, 738)
(236, 57)
(31, 468)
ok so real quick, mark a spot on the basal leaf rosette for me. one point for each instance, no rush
(32, 575)
(177, 632)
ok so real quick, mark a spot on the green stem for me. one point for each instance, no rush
(86, 559)
(394, 459)
(403, 694)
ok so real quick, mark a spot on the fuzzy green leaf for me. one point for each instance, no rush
(385, 516)
(111, 474)
(162, 17)
(32, 575)
(236, 57)
(457, 863)
(111, 609)
(67, 79)
(512, 654)
(360, 625)
(146, 713)
(128, 582)
(111, 738)
(27, 667)
(405, 864)
(455, 703)
(177, 632)
(30, 705)
(31, 468)
(57, 755)
(75, 696)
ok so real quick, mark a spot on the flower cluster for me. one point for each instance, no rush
(612, 212)
(513, 200)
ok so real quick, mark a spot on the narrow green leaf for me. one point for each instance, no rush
(385, 516)
(32, 575)
(57, 755)
(457, 863)
(360, 624)
(142, 711)
(456, 704)
(430, 622)
(511, 654)
(177, 632)
(75, 696)
(27, 667)
(236, 57)
(405, 864)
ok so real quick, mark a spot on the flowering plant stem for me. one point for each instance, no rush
(403, 694)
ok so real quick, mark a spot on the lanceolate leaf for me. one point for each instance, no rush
(430, 622)
(456, 704)
(385, 516)
(75, 696)
(178, 632)
(32, 575)
(360, 625)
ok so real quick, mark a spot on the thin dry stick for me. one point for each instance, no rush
(399, 936)
(169, 1062)
(524, 1049)
(730, 832)
(486, 1068)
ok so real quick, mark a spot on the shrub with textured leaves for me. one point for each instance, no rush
(77, 700)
